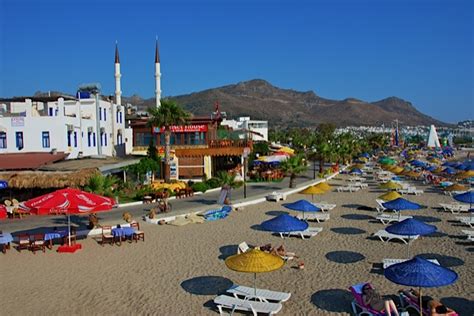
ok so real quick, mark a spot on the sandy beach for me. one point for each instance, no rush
(147, 277)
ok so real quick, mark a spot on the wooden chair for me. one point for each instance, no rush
(180, 193)
(189, 191)
(138, 234)
(37, 243)
(107, 236)
(23, 242)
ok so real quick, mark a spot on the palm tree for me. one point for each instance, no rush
(293, 166)
(165, 116)
(102, 185)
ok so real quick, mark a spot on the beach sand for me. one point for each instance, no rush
(147, 277)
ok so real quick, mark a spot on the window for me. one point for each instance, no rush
(119, 139)
(101, 139)
(105, 139)
(120, 117)
(45, 138)
(143, 139)
(100, 114)
(3, 140)
(51, 111)
(105, 114)
(75, 139)
(89, 135)
(69, 138)
(19, 140)
(94, 140)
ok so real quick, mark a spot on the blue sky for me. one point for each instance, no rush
(419, 50)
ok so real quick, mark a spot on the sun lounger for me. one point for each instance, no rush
(389, 262)
(411, 190)
(319, 217)
(348, 189)
(243, 247)
(308, 232)
(384, 236)
(387, 219)
(276, 196)
(468, 233)
(236, 304)
(360, 185)
(470, 238)
(468, 220)
(358, 306)
(325, 207)
(380, 208)
(412, 303)
(454, 208)
(245, 292)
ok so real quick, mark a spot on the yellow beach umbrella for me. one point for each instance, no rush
(389, 196)
(358, 166)
(413, 174)
(438, 170)
(287, 150)
(456, 187)
(390, 185)
(324, 185)
(465, 174)
(254, 261)
(397, 169)
(313, 190)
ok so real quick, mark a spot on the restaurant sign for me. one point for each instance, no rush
(183, 128)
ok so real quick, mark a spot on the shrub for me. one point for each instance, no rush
(200, 187)
(213, 183)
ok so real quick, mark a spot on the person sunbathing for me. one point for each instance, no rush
(281, 251)
(373, 299)
(436, 308)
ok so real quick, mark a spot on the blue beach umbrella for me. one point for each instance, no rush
(420, 272)
(411, 227)
(3, 184)
(356, 171)
(466, 197)
(401, 204)
(284, 223)
(302, 206)
(449, 170)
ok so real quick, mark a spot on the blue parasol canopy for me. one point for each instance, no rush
(411, 227)
(467, 197)
(449, 170)
(355, 171)
(420, 272)
(284, 223)
(302, 206)
(3, 184)
(417, 163)
(401, 204)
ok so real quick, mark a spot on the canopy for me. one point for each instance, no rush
(254, 261)
(389, 196)
(302, 205)
(411, 227)
(420, 272)
(324, 185)
(284, 223)
(69, 201)
(401, 204)
(467, 197)
(313, 190)
(355, 171)
(390, 185)
(456, 187)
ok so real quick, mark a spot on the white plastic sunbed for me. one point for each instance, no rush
(454, 208)
(325, 207)
(236, 304)
(348, 189)
(308, 232)
(319, 217)
(411, 190)
(239, 291)
(380, 208)
(468, 220)
(387, 219)
(390, 262)
(469, 233)
(386, 236)
(276, 196)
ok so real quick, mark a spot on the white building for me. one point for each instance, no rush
(77, 127)
(258, 130)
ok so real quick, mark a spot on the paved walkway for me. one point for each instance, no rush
(256, 193)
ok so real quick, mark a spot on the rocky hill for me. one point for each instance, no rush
(284, 107)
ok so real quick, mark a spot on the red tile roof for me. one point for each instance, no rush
(22, 161)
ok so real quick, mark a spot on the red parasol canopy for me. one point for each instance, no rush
(68, 201)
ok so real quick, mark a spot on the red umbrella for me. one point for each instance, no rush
(68, 201)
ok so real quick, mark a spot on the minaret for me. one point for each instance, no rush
(118, 90)
(157, 76)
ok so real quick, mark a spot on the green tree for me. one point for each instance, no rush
(102, 185)
(152, 152)
(165, 116)
(293, 166)
(145, 165)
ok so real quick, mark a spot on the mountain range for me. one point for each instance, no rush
(287, 108)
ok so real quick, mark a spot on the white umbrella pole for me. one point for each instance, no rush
(255, 284)
(421, 307)
(69, 229)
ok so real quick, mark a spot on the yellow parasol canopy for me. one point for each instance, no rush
(313, 190)
(390, 185)
(438, 170)
(389, 196)
(465, 174)
(456, 187)
(397, 169)
(254, 261)
(324, 185)
(413, 174)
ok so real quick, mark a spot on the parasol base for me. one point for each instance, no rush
(69, 248)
